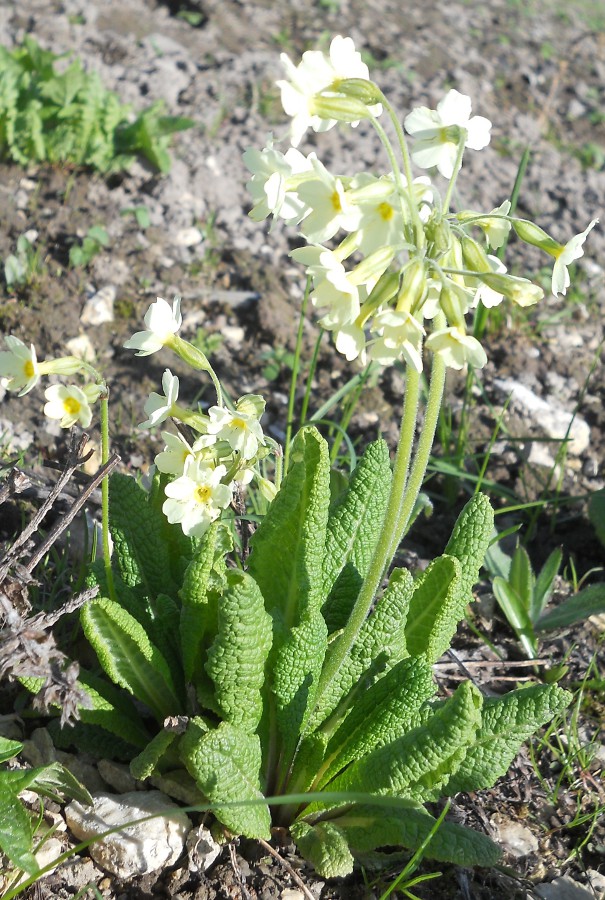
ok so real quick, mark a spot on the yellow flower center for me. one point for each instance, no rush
(28, 368)
(335, 198)
(386, 211)
(202, 493)
(71, 406)
(238, 423)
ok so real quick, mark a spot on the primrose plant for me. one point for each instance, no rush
(287, 680)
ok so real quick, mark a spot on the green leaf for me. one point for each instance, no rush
(16, 830)
(506, 723)
(418, 764)
(367, 828)
(144, 765)
(469, 542)
(325, 846)
(380, 644)
(516, 614)
(225, 764)
(136, 529)
(9, 749)
(521, 577)
(382, 714)
(54, 779)
(287, 549)
(352, 531)
(588, 602)
(295, 677)
(196, 618)
(436, 607)
(128, 656)
(237, 658)
(545, 583)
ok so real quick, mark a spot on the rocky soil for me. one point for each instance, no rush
(537, 71)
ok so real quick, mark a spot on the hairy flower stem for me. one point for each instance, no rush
(423, 450)
(457, 166)
(295, 371)
(381, 557)
(104, 402)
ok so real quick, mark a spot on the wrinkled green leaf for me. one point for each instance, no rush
(295, 677)
(144, 765)
(506, 723)
(128, 656)
(287, 549)
(136, 528)
(387, 710)
(436, 607)
(418, 764)
(470, 539)
(237, 658)
(380, 644)
(326, 848)
(352, 531)
(225, 764)
(367, 828)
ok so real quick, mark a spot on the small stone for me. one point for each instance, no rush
(188, 237)
(139, 848)
(234, 335)
(291, 894)
(117, 776)
(515, 838)
(564, 888)
(81, 347)
(203, 850)
(554, 421)
(99, 307)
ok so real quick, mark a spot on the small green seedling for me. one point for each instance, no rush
(20, 268)
(17, 827)
(523, 596)
(81, 255)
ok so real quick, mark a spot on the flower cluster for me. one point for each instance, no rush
(20, 371)
(213, 454)
(403, 273)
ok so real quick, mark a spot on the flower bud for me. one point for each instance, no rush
(536, 236)
(359, 88)
(343, 109)
(520, 290)
(372, 266)
(474, 255)
(383, 291)
(64, 365)
(451, 304)
(413, 287)
(439, 234)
